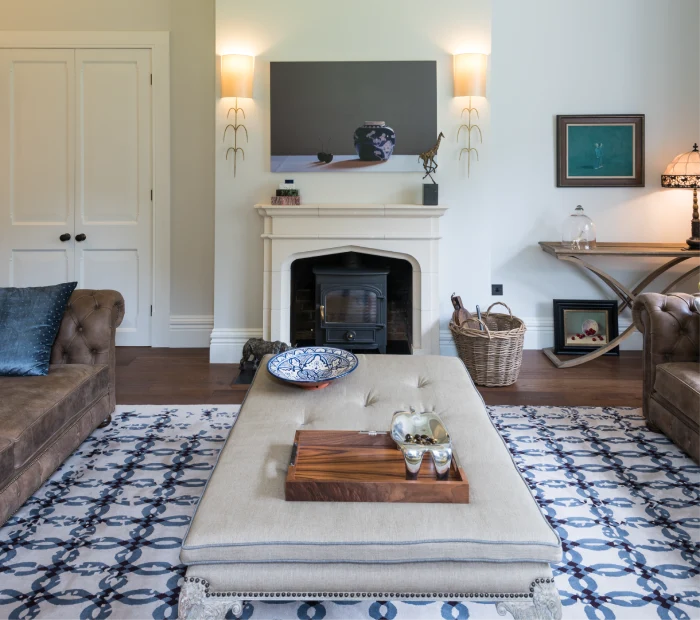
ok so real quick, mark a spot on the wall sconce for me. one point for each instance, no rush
(470, 81)
(236, 81)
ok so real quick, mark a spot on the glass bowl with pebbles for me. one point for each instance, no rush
(418, 433)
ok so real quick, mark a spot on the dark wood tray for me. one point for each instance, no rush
(347, 466)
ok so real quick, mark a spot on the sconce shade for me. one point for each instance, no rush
(683, 171)
(237, 75)
(470, 75)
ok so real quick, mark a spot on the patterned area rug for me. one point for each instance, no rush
(101, 537)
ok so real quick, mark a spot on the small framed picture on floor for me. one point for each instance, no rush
(582, 326)
(600, 150)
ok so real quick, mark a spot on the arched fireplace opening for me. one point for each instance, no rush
(361, 302)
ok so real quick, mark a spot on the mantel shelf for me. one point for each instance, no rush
(341, 209)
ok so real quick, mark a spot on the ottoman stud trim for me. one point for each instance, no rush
(197, 601)
(545, 603)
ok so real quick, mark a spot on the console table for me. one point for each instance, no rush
(675, 253)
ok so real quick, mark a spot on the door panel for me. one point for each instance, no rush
(40, 267)
(117, 270)
(41, 183)
(113, 181)
(37, 155)
(109, 139)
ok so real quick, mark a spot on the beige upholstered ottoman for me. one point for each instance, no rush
(246, 542)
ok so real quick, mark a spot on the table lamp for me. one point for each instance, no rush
(684, 171)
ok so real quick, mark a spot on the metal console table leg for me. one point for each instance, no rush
(626, 295)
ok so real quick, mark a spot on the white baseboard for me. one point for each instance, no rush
(190, 330)
(540, 335)
(227, 344)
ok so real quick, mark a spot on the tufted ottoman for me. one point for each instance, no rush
(246, 542)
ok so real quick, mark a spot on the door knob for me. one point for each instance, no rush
(81, 237)
(65, 237)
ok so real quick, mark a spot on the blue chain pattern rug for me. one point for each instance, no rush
(101, 538)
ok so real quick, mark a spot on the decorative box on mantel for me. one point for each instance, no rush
(405, 231)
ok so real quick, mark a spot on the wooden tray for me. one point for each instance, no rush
(347, 466)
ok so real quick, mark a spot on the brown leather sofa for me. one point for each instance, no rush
(671, 328)
(44, 419)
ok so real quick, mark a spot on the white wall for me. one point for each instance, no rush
(360, 30)
(559, 57)
(191, 26)
(549, 57)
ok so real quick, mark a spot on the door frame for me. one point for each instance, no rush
(159, 44)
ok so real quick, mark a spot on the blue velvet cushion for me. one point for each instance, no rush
(29, 322)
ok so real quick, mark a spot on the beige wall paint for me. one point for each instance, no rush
(192, 76)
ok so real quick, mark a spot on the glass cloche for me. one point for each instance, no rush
(579, 231)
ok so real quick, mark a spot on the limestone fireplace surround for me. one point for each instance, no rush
(409, 232)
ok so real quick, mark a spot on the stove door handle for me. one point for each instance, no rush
(322, 311)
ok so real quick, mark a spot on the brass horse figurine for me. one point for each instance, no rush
(428, 158)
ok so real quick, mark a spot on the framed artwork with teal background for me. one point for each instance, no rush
(600, 150)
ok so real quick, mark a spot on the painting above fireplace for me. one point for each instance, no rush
(367, 116)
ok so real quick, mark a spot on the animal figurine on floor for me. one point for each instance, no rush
(257, 348)
(428, 159)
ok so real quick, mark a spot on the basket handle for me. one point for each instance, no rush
(486, 327)
(499, 303)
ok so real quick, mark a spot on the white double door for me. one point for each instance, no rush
(76, 174)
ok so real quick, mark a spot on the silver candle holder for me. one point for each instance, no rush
(418, 433)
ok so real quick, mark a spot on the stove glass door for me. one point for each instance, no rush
(352, 306)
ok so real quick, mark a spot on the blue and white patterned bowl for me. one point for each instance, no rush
(312, 367)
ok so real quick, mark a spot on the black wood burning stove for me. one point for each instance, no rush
(351, 307)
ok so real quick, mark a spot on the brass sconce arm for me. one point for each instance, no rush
(468, 126)
(235, 126)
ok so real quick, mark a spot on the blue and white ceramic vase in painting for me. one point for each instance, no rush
(374, 141)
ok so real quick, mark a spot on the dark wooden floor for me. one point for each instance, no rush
(185, 377)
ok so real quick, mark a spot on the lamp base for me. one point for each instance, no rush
(694, 240)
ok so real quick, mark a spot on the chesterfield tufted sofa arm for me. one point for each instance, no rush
(44, 418)
(671, 394)
(88, 329)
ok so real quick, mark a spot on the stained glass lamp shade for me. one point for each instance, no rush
(684, 172)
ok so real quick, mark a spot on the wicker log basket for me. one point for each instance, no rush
(493, 355)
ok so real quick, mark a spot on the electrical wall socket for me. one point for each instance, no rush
(496, 289)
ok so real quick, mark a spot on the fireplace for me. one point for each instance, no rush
(409, 233)
(354, 301)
